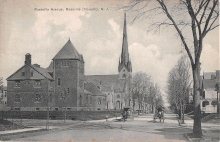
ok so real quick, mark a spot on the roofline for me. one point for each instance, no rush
(16, 71)
(102, 75)
(41, 73)
(69, 59)
(26, 79)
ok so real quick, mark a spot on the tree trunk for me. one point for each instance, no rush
(139, 105)
(197, 130)
(152, 109)
(183, 122)
(181, 113)
(217, 104)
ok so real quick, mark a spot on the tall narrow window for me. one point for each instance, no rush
(17, 83)
(91, 100)
(87, 99)
(17, 98)
(80, 100)
(58, 82)
(32, 74)
(99, 101)
(68, 91)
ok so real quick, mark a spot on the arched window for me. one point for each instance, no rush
(124, 75)
(205, 103)
(17, 98)
(118, 96)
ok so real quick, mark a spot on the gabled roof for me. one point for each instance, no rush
(68, 51)
(42, 73)
(50, 67)
(90, 87)
(105, 80)
(208, 83)
(207, 75)
(106, 88)
(102, 79)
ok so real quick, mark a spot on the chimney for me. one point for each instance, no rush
(27, 59)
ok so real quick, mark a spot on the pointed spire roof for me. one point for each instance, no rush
(124, 53)
(68, 52)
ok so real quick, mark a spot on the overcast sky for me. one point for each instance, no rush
(95, 34)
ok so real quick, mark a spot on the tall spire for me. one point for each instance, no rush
(124, 54)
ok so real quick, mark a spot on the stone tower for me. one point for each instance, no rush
(68, 73)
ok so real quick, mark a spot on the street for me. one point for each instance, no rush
(141, 128)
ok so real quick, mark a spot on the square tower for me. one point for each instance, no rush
(68, 72)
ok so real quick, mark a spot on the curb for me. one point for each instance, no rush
(28, 131)
(186, 136)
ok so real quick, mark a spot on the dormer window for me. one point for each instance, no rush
(17, 83)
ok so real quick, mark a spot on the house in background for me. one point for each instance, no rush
(209, 92)
(3, 98)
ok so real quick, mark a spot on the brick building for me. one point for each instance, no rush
(30, 87)
(63, 84)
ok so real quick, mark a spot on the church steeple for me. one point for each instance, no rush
(125, 62)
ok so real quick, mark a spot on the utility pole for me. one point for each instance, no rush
(47, 94)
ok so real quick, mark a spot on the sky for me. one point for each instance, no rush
(96, 32)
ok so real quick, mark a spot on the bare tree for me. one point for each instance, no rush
(179, 81)
(201, 16)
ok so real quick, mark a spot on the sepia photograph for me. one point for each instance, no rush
(109, 70)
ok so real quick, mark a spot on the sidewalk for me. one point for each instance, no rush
(103, 120)
(19, 131)
(210, 132)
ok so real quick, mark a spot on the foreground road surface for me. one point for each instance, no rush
(141, 128)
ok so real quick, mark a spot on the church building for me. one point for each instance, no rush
(63, 85)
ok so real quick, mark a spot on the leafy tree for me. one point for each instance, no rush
(198, 16)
